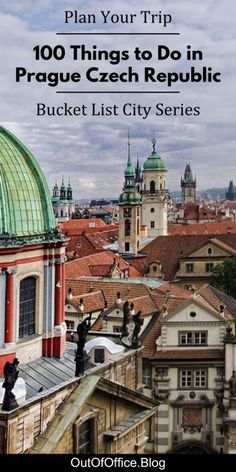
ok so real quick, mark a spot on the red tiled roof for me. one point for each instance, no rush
(77, 225)
(172, 290)
(169, 249)
(127, 290)
(138, 263)
(145, 303)
(149, 342)
(85, 244)
(99, 264)
(103, 238)
(92, 301)
(207, 293)
(228, 227)
(192, 354)
(98, 324)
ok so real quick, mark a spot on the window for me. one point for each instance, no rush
(127, 212)
(70, 324)
(209, 266)
(127, 227)
(188, 287)
(85, 431)
(154, 268)
(27, 307)
(147, 376)
(138, 226)
(193, 378)
(192, 314)
(99, 356)
(209, 251)
(117, 329)
(152, 186)
(193, 338)
(189, 267)
(152, 210)
(137, 212)
(152, 224)
(126, 247)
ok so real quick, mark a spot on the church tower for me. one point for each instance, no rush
(188, 186)
(62, 190)
(154, 195)
(129, 212)
(69, 194)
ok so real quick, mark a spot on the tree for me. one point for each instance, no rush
(224, 276)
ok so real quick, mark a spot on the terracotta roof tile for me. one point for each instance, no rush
(216, 298)
(92, 301)
(145, 303)
(98, 324)
(173, 290)
(192, 354)
(110, 289)
(149, 342)
(99, 264)
(169, 249)
(202, 228)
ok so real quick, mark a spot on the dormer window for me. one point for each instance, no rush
(192, 338)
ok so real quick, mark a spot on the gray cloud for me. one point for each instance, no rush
(92, 151)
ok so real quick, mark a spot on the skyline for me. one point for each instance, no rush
(92, 151)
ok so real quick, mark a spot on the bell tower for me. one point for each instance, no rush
(129, 212)
(188, 186)
(154, 195)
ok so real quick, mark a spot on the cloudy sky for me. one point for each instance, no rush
(92, 150)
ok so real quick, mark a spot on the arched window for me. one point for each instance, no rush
(127, 227)
(152, 186)
(27, 307)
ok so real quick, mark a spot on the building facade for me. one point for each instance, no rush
(143, 203)
(32, 256)
(188, 186)
(62, 202)
(184, 368)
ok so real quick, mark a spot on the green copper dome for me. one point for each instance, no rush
(25, 202)
(131, 198)
(154, 161)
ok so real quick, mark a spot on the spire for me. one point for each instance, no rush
(129, 156)
(129, 171)
(69, 191)
(62, 189)
(154, 145)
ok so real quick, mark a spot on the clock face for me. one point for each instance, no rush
(127, 212)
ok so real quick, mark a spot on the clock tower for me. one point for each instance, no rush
(154, 195)
(129, 212)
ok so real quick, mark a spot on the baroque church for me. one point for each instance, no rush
(32, 254)
(62, 202)
(142, 203)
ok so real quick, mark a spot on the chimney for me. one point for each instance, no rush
(222, 310)
(81, 305)
(118, 298)
(165, 311)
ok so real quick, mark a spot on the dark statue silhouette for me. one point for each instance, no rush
(232, 384)
(138, 322)
(80, 356)
(11, 373)
(126, 319)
